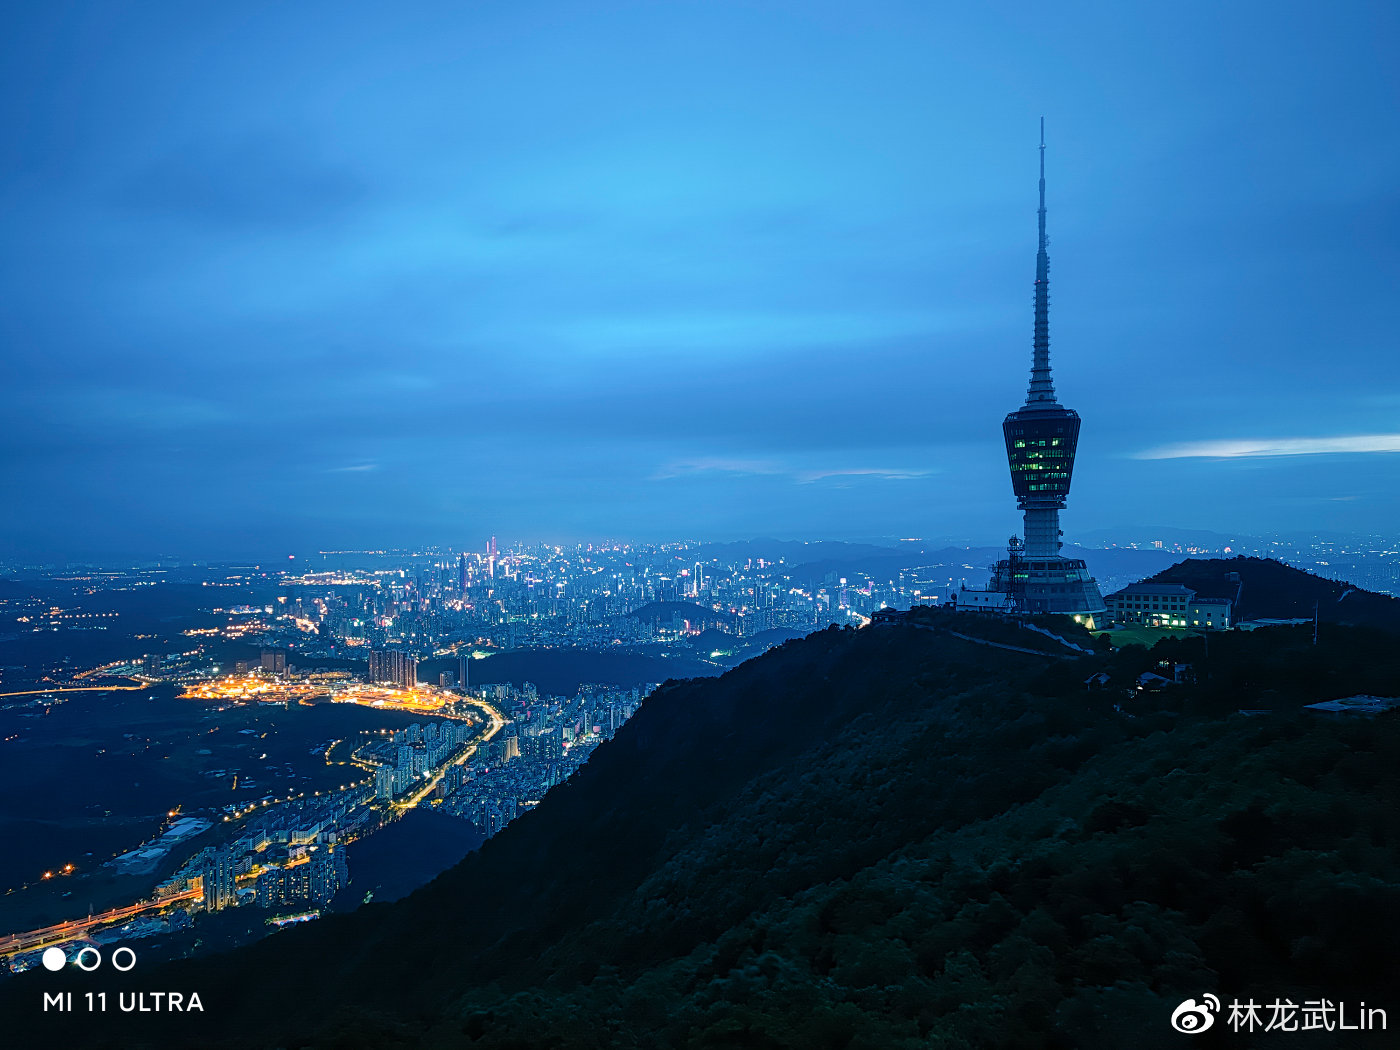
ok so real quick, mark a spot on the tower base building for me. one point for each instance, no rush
(1043, 584)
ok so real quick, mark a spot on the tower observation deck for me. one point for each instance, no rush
(1042, 437)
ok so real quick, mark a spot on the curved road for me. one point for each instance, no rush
(74, 928)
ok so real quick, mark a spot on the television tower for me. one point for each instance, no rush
(1042, 437)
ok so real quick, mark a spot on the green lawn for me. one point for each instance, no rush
(1148, 636)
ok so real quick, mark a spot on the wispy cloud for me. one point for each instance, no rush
(768, 467)
(1263, 448)
(717, 465)
(883, 473)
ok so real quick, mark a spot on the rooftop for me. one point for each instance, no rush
(1172, 589)
(1357, 705)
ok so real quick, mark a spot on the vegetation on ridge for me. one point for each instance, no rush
(892, 837)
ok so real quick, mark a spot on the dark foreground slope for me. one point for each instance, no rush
(886, 838)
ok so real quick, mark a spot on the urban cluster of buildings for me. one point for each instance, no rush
(409, 754)
(290, 851)
(316, 881)
(393, 667)
(546, 740)
(555, 597)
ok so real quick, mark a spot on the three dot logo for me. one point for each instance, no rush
(1193, 1018)
(87, 959)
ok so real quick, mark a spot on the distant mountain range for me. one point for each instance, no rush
(818, 564)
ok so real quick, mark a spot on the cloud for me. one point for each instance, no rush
(1264, 448)
(772, 468)
(717, 465)
(883, 473)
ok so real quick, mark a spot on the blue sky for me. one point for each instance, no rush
(328, 275)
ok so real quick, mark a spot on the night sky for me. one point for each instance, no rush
(300, 276)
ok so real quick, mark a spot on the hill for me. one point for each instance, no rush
(902, 836)
(664, 612)
(1263, 588)
(736, 649)
(559, 672)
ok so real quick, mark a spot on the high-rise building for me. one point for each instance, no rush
(462, 574)
(271, 888)
(220, 889)
(550, 746)
(384, 782)
(392, 667)
(296, 882)
(1041, 438)
(274, 660)
(327, 865)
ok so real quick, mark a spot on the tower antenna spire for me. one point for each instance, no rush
(1041, 389)
(1041, 213)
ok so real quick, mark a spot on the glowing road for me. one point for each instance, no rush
(77, 928)
(73, 928)
(496, 722)
(80, 689)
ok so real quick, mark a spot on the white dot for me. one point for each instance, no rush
(54, 959)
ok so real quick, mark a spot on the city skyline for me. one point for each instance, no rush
(713, 272)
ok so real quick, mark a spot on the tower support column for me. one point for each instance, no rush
(1042, 532)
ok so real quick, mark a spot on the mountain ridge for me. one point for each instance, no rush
(879, 838)
(1270, 589)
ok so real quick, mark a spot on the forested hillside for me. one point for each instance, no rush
(892, 837)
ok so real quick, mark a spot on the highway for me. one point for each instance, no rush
(73, 928)
(80, 689)
(497, 723)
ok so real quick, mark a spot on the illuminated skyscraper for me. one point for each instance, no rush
(327, 873)
(1042, 437)
(271, 888)
(392, 667)
(220, 889)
